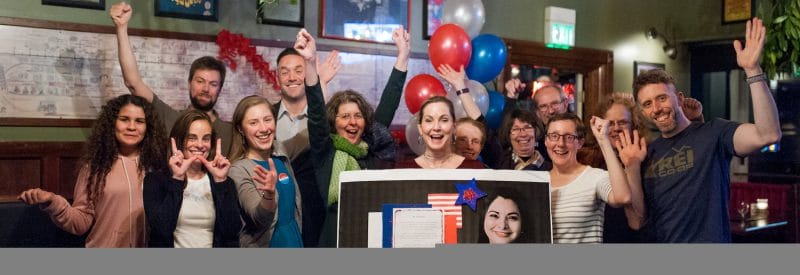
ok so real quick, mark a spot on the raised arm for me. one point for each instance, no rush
(620, 191)
(458, 79)
(766, 129)
(632, 152)
(327, 71)
(393, 91)
(307, 47)
(121, 13)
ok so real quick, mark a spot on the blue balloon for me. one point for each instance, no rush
(494, 116)
(488, 58)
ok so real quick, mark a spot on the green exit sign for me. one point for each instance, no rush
(560, 36)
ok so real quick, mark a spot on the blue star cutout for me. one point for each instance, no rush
(468, 193)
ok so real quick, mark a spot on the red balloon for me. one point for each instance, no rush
(420, 88)
(451, 45)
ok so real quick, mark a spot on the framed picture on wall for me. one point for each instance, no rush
(734, 11)
(363, 20)
(200, 10)
(432, 13)
(639, 67)
(281, 12)
(87, 4)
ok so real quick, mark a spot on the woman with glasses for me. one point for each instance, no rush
(342, 133)
(579, 192)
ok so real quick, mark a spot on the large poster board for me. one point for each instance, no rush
(368, 191)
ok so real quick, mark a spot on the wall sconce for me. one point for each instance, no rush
(669, 49)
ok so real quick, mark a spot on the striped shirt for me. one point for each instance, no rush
(577, 207)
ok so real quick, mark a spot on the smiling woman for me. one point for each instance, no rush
(195, 205)
(503, 219)
(127, 141)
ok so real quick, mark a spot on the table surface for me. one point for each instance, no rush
(752, 225)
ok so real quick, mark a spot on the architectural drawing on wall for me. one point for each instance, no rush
(66, 74)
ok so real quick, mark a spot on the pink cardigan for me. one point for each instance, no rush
(117, 219)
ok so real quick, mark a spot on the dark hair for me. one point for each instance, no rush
(481, 127)
(349, 96)
(522, 205)
(434, 100)
(102, 147)
(655, 76)
(181, 129)
(523, 116)
(580, 129)
(208, 63)
(285, 52)
(239, 145)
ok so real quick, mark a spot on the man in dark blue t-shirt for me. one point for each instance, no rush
(685, 174)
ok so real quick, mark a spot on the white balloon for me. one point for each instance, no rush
(458, 108)
(479, 95)
(468, 14)
(412, 136)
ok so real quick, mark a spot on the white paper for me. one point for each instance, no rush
(417, 227)
(375, 230)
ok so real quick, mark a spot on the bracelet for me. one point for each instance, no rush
(756, 78)
(264, 197)
(462, 91)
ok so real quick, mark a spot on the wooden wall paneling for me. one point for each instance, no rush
(48, 165)
(595, 64)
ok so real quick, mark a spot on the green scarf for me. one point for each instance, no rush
(343, 160)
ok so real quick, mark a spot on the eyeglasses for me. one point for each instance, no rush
(554, 137)
(357, 116)
(553, 105)
(621, 123)
(523, 129)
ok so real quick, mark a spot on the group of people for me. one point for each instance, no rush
(270, 177)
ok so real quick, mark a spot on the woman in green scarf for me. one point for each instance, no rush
(347, 134)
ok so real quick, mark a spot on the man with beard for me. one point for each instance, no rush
(685, 173)
(206, 77)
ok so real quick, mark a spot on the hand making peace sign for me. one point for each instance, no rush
(177, 163)
(266, 180)
(219, 166)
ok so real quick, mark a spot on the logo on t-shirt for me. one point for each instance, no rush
(283, 178)
(676, 161)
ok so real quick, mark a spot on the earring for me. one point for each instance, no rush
(419, 139)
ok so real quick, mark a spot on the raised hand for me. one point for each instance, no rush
(402, 40)
(177, 164)
(36, 196)
(749, 56)
(266, 180)
(329, 67)
(631, 151)
(120, 13)
(513, 87)
(306, 45)
(219, 166)
(600, 129)
(456, 78)
(692, 108)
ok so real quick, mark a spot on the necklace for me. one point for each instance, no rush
(431, 162)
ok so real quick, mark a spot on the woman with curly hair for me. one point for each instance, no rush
(127, 141)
